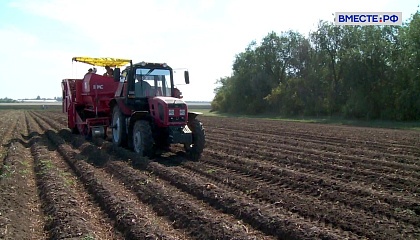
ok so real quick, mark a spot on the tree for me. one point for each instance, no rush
(355, 71)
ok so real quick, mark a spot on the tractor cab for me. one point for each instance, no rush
(152, 82)
(145, 80)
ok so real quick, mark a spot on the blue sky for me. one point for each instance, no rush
(39, 37)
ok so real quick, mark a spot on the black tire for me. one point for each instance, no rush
(143, 138)
(119, 134)
(75, 130)
(199, 140)
(88, 135)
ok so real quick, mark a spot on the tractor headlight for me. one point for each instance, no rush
(182, 112)
(171, 112)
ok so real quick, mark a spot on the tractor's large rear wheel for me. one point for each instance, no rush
(143, 138)
(119, 134)
(198, 140)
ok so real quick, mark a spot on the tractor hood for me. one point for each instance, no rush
(168, 111)
(170, 100)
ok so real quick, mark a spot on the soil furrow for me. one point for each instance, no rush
(210, 224)
(194, 217)
(8, 122)
(141, 187)
(309, 158)
(310, 208)
(318, 208)
(7, 127)
(268, 218)
(64, 216)
(315, 164)
(199, 220)
(370, 158)
(323, 133)
(228, 202)
(331, 141)
(353, 166)
(102, 226)
(18, 194)
(6, 139)
(131, 217)
(263, 178)
(312, 184)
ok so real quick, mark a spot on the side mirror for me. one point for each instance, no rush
(117, 74)
(187, 77)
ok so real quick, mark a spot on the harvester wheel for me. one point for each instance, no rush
(142, 138)
(119, 135)
(198, 135)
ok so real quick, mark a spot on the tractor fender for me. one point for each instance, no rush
(121, 104)
(112, 103)
(131, 121)
(137, 115)
(193, 115)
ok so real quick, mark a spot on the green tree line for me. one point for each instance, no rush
(369, 72)
(7, 100)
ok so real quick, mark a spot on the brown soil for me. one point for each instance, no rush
(257, 179)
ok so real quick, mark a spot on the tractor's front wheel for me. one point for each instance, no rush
(143, 138)
(119, 135)
(198, 140)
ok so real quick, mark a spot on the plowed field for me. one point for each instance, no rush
(257, 179)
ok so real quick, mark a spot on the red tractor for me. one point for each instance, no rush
(139, 104)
